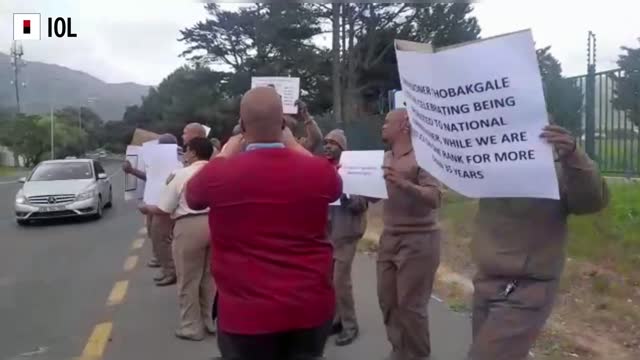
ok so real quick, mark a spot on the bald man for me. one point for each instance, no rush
(409, 250)
(275, 299)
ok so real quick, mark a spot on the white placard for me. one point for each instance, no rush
(399, 100)
(477, 111)
(160, 160)
(287, 87)
(134, 187)
(362, 174)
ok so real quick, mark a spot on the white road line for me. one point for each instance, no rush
(8, 182)
(436, 298)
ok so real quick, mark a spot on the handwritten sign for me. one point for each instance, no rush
(287, 87)
(362, 174)
(476, 124)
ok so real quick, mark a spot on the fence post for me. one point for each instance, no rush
(590, 112)
(590, 97)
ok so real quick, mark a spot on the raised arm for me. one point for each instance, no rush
(314, 135)
(356, 204)
(585, 189)
(128, 169)
(426, 189)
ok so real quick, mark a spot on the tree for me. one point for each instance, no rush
(626, 94)
(274, 39)
(563, 97)
(30, 138)
(189, 94)
(368, 67)
(83, 118)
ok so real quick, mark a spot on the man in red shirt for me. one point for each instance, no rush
(270, 255)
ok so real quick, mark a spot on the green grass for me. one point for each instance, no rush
(7, 171)
(611, 236)
(618, 156)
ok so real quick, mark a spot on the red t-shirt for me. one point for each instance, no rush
(271, 260)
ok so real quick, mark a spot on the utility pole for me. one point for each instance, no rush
(52, 129)
(16, 61)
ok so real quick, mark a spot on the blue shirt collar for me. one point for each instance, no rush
(257, 146)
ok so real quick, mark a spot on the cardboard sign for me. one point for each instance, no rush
(476, 123)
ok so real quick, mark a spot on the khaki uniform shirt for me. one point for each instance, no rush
(409, 216)
(405, 211)
(172, 199)
(526, 237)
(348, 221)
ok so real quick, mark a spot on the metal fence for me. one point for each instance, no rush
(609, 136)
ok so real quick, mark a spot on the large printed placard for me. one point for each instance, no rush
(477, 111)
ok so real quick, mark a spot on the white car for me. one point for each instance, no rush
(63, 188)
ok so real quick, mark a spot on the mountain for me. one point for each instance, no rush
(53, 84)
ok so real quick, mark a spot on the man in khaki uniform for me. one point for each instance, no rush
(519, 248)
(190, 245)
(159, 228)
(347, 224)
(313, 134)
(409, 250)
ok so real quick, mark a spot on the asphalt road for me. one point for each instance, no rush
(80, 290)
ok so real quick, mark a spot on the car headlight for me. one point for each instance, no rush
(86, 195)
(20, 198)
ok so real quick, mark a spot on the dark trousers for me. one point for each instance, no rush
(306, 344)
(505, 327)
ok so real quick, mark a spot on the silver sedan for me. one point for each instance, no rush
(64, 188)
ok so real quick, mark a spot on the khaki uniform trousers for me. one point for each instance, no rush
(343, 256)
(505, 327)
(196, 289)
(406, 268)
(148, 220)
(161, 236)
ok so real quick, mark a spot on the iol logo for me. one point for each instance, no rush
(26, 26)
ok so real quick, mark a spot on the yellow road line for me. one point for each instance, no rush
(97, 341)
(130, 263)
(137, 243)
(118, 293)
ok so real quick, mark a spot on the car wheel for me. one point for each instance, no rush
(100, 209)
(109, 204)
(22, 222)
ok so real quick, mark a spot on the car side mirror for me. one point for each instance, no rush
(22, 180)
(102, 176)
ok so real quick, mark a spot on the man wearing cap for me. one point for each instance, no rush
(159, 227)
(346, 226)
(190, 245)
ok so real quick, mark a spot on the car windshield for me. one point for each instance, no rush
(62, 171)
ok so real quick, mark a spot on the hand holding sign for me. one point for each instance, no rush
(126, 167)
(394, 177)
(560, 138)
(303, 111)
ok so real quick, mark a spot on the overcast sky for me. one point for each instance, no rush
(136, 40)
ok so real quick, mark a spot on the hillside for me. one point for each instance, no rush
(47, 83)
